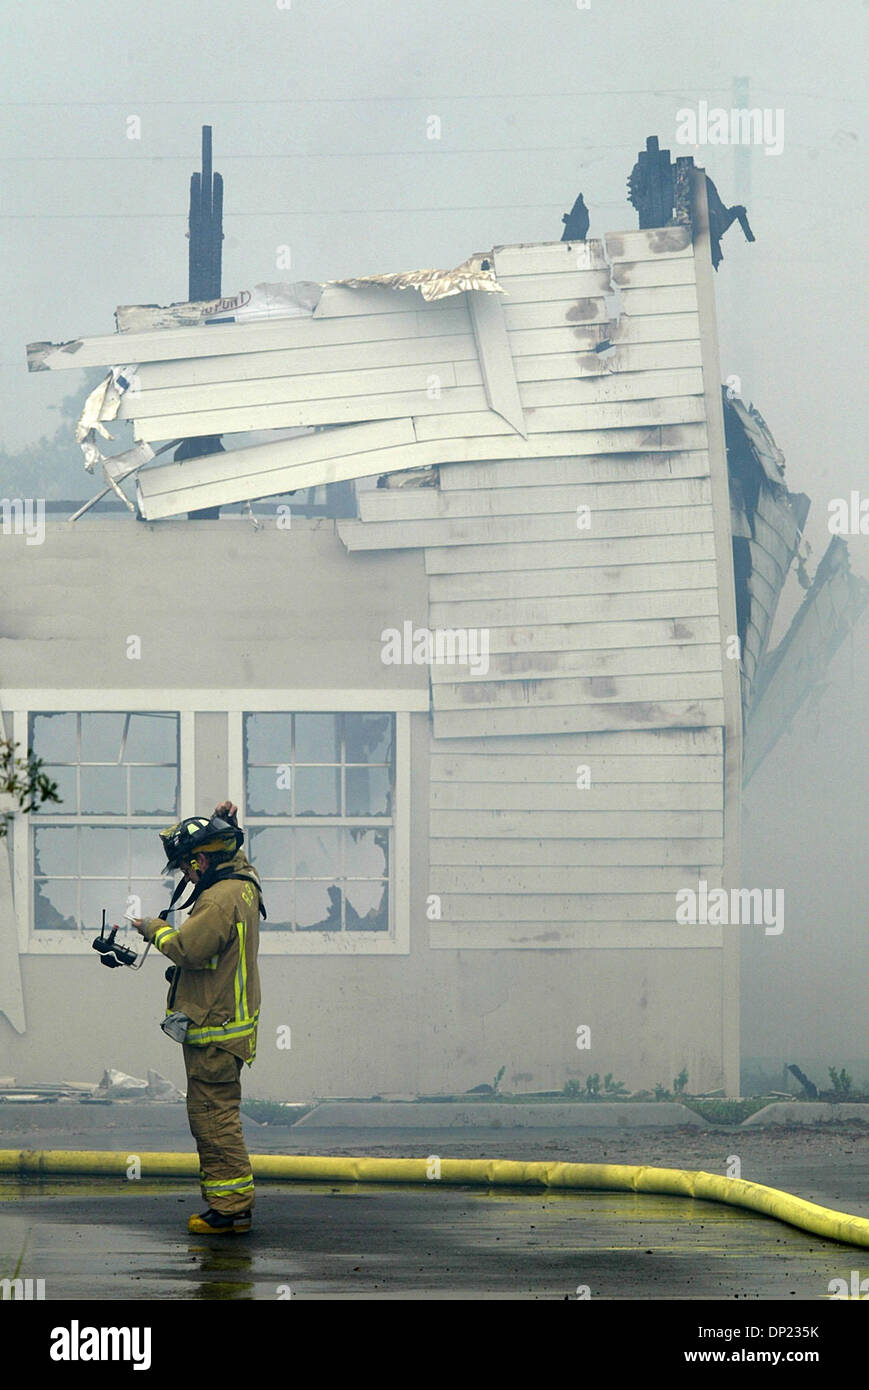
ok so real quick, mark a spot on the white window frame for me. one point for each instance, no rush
(187, 703)
(65, 943)
(395, 941)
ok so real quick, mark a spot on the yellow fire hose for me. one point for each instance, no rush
(612, 1177)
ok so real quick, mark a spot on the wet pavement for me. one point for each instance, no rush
(108, 1239)
(94, 1241)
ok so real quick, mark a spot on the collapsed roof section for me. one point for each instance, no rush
(521, 341)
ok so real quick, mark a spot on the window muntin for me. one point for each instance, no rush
(118, 777)
(302, 770)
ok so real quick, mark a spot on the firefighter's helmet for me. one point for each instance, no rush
(212, 835)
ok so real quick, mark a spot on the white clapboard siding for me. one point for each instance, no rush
(626, 743)
(553, 851)
(271, 390)
(548, 258)
(162, 345)
(577, 552)
(585, 690)
(571, 284)
(560, 583)
(571, 470)
(597, 936)
(605, 770)
(334, 411)
(546, 665)
(581, 608)
(623, 333)
(640, 357)
(566, 796)
(645, 274)
(650, 714)
(571, 313)
(602, 636)
(266, 469)
(537, 879)
(278, 402)
(418, 504)
(615, 386)
(654, 243)
(457, 348)
(591, 825)
(656, 521)
(668, 299)
(559, 907)
(608, 415)
(688, 437)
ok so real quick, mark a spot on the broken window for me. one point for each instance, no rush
(302, 771)
(118, 778)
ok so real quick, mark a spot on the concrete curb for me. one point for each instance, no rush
(491, 1115)
(809, 1112)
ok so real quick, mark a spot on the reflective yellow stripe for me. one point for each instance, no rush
(235, 1185)
(161, 936)
(240, 1028)
(241, 974)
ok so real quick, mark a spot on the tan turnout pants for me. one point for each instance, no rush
(213, 1099)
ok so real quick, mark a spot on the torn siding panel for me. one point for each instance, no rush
(787, 677)
(265, 469)
(496, 360)
(766, 522)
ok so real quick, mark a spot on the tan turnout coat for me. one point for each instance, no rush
(218, 986)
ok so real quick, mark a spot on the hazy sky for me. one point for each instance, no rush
(320, 112)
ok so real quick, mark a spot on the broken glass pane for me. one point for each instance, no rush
(267, 738)
(318, 738)
(318, 906)
(53, 737)
(369, 791)
(366, 853)
(368, 738)
(271, 853)
(152, 738)
(146, 853)
(103, 791)
(55, 905)
(104, 851)
(279, 899)
(318, 791)
(55, 850)
(153, 791)
(264, 796)
(366, 906)
(318, 853)
(110, 894)
(101, 737)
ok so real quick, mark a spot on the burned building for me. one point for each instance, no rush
(483, 729)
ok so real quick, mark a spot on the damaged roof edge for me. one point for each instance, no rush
(786, 678)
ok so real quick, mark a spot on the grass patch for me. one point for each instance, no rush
(719, 1111)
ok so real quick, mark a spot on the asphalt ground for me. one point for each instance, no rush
(105, 1239)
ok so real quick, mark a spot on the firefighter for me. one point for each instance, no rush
(213, 1003)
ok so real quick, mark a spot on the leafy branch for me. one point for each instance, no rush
(23, 778)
